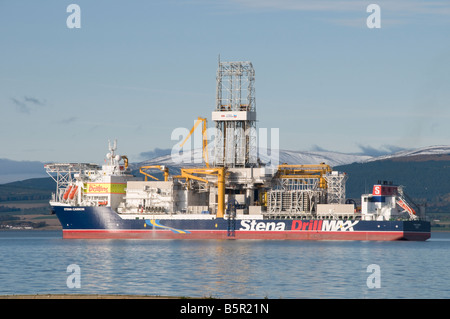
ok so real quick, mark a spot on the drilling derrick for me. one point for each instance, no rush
(336, 187)
(235, 115)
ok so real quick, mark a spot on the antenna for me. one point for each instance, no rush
(112, 149)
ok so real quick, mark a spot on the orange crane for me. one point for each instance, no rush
(204, 138)
(160, 167)
(191, 173)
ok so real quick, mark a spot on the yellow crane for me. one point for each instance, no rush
(125, 161)
(162, 168)
(204, 138)
(191, 173)
(305, 171)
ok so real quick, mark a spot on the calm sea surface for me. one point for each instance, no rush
(36, 262)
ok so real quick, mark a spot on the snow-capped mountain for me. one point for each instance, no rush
(315, 157)
(428, 150)
(15, 170)
(276, 157)
(297, 157)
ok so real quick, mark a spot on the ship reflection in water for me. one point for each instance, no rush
(36, 262)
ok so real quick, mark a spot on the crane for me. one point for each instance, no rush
(305, 171)
(220, 172)
(162, 168)
(204, 138)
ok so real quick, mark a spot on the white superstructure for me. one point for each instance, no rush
(84, 184)
(386, 203)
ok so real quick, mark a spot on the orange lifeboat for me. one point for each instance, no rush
(66, 194)
(73, 192)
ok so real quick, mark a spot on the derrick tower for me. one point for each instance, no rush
(235, 115)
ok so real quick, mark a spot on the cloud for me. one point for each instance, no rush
(21, 106)
(353, 12)
(406, 6)
(157, 152)
(366, 150)
(33, 100)
(317, 148)
(295, 5)
(384, 150)
(69, 120)
(27, 103)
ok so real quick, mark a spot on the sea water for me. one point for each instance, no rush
(41, 262)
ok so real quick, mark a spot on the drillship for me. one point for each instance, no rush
(236, 197)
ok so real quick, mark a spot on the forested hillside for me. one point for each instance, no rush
(425, 178)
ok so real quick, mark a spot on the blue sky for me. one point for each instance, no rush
(136, 70)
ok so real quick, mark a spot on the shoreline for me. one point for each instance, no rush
(92, 296)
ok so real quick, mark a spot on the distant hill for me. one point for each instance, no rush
(435, 152)
(11, 171)
(426, 178)
(425, 174)
(194, 159)
(30, 189)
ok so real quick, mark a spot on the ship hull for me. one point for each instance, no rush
(104, 223)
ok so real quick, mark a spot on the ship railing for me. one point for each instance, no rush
(339, 216)
(289, 215)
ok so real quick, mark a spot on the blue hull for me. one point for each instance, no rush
(103, 222)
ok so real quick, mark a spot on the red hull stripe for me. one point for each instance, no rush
(220, 234)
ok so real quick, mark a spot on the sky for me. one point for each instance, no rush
(136, 70)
